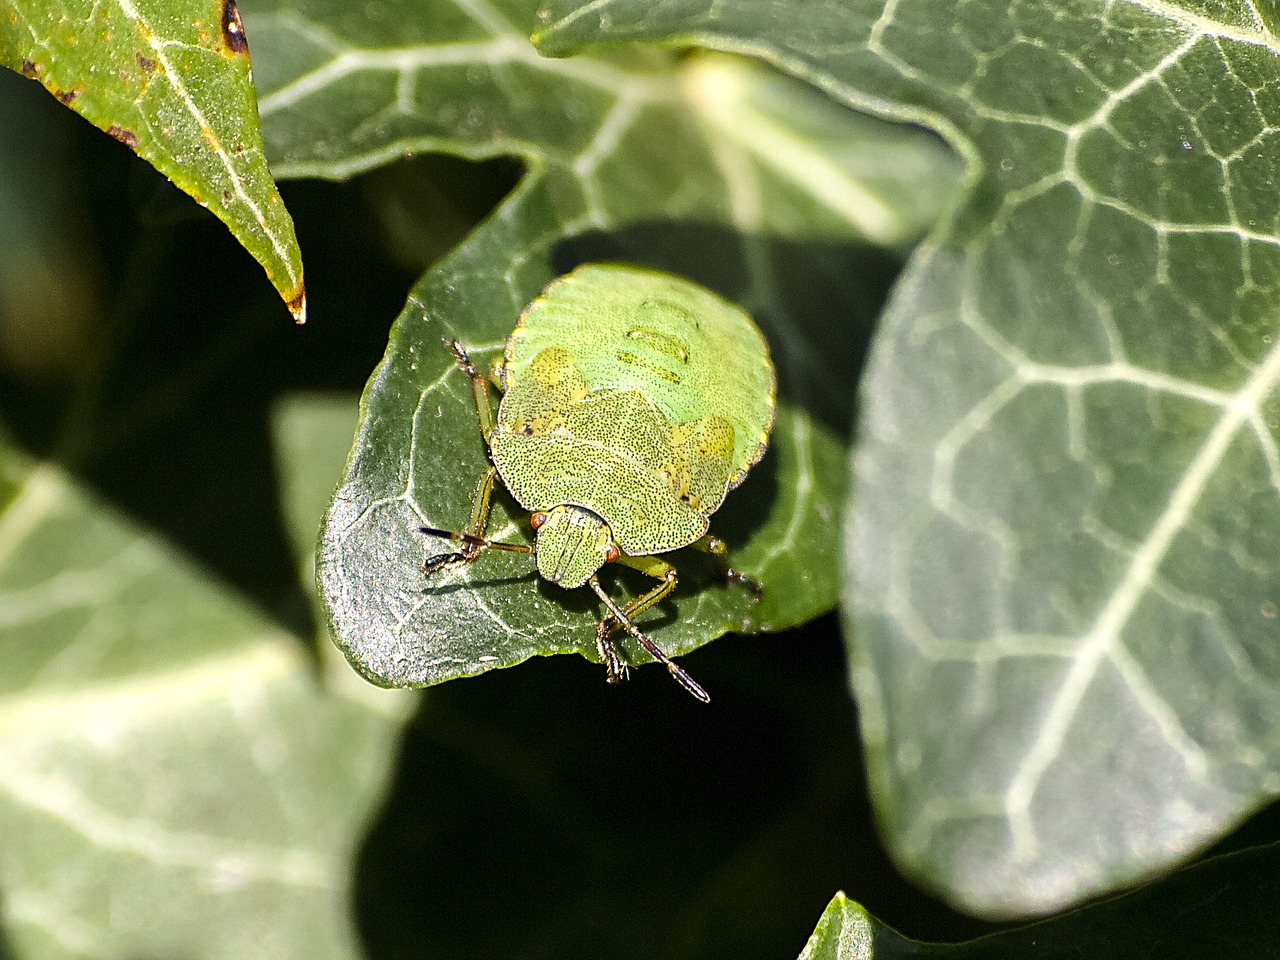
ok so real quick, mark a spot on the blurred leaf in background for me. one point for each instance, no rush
(1222, 907)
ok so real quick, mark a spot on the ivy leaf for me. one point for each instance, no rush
(1222, 907)
(844, 932)
(172, 770)
(1064, 543)
(171, 81)
(638, 156)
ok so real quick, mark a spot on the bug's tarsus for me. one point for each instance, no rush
(479, 386)
(464, 359)
(615, 670)
(432, 564)
(742, 580)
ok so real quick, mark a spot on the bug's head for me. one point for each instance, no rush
(573, 543)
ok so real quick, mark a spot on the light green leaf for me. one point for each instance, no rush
(169, 79)
(1064, 544)
(640, 156)
(174, 775)
(844, 932)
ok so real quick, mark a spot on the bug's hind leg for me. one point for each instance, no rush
(720, 553)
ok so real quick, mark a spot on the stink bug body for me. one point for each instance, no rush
(633, 402)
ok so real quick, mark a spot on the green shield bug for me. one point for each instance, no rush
(633, 401)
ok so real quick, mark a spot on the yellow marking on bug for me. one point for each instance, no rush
(669, 375)
(662, 342)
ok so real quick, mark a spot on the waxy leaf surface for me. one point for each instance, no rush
(640, 156)
(170, 79)
(1063, 544)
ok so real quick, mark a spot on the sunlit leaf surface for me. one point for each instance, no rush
(170, 80)
(1064, 538)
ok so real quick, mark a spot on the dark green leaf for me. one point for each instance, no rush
(1064, 544)
(1224, 907)
(644, 157)
(170, 80)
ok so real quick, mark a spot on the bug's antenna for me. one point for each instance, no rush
(673, 668)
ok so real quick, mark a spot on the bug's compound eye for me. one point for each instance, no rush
(537, 520)
(611, 553)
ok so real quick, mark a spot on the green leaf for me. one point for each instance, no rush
(173, 772)
(171, 81)
(1224, 907)
(844, 932)
(641, 156)
(1064, 544)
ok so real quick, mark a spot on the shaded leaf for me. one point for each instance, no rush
(1224, 907)
(636, 157)
(1064, 542)
(174, 772)
(171, 81)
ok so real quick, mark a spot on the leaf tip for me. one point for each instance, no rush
(298, 306)
(233, 37)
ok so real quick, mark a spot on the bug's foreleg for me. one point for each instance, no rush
(651, 566)
(472, 541)
(720, 553)
(658, 569)
(621, 616)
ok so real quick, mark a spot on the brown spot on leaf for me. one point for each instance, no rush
(232, 29)
(298, 305)
(146, 63)
(127, 137)
(29, 68)
(68, 97)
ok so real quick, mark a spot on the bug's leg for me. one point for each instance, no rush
(620, 615)
(479, 387)
(658, 569)
(472, 540)
(720, 552)
(614, 668)
(651, 566)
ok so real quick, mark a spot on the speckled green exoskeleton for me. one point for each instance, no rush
(633, 402)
